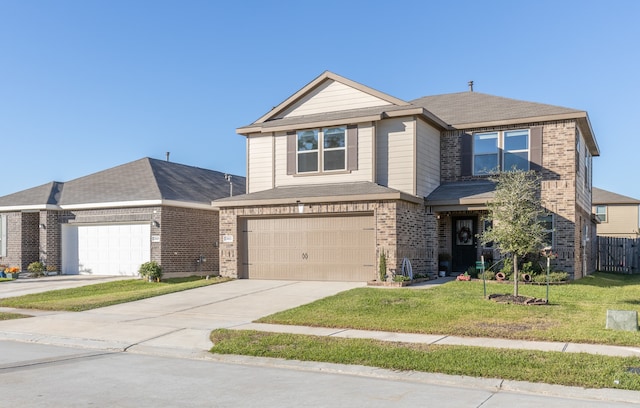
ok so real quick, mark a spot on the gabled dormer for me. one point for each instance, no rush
(335, 130)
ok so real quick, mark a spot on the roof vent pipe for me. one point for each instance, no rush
(168, 153)
(470, 86)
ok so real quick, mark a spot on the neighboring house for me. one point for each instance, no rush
(110, 222)
(340, 173)
(618, 215)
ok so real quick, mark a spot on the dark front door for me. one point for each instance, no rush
(464, 243)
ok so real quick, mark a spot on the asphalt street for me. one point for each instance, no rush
(37, 375)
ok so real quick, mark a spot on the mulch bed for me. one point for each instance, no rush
(517, 300)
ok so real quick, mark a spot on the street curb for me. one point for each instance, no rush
(489, 384)
(93, 344)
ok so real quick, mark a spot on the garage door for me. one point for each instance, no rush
(309, 248)
(105, 249)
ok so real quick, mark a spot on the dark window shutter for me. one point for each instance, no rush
(291, 153)
(535, 148)
(352, 147)
(466, 154)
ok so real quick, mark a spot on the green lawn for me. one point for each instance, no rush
(104, 294)
(571, 369)
(577, 311)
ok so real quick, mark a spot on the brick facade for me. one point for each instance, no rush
(185, 235)
(564, 190)
(402, 229)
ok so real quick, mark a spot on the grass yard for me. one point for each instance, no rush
(571, 369)
(577, 311)
(104, 294)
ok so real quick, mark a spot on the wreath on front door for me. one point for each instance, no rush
(464, 235)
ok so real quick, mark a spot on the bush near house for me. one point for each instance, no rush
(151, 270)
(36, 268)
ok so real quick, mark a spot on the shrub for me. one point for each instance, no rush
(488, 275)
(36, 268)
(151, 270)
(554, 277)
(383, 267)
(473, 272)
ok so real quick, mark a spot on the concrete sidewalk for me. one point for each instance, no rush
(180, 322)
(437, 339)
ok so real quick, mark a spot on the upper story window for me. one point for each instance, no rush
(497, 151)
(485, 153)
(322, 150)
(516, 150)
(308, 151)
(601, 213)
(335, 148)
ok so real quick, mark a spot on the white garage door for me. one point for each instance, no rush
(337, 248)
(105, 249)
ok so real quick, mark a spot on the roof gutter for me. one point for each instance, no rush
(313, 200)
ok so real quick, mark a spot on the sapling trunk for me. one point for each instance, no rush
(515, 275)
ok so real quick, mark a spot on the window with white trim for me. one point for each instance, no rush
(601, 213)
(487, 149)
(516, 150)
(485, 153)
(308, 151)
(322, 150)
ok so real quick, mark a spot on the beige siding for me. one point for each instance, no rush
(332, 96)
(622, 221)
(428, 162)
(395, 159)
(363, 173)
(334, 248)
(260, 163)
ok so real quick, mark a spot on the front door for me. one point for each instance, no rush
(464, 248)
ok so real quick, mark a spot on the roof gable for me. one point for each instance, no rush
(330, 92)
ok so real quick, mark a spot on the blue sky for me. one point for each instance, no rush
(88, 85)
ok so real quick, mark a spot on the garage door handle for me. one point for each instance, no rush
(305, 255)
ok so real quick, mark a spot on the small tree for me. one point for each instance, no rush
(382, 267)
(515, 214)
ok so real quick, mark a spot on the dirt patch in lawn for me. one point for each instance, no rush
(517, 300)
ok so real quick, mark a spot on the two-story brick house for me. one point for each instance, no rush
(339, 173)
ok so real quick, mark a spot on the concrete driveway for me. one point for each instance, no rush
(175, 324)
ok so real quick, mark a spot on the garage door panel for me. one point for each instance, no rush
(105, 249)
(309, 248)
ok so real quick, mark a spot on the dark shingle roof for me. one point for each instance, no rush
(600, 196)
(46, 194)
(474, 107)
(141, 180)
(316, 193)
(476, 192)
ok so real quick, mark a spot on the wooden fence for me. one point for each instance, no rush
(620, 255)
